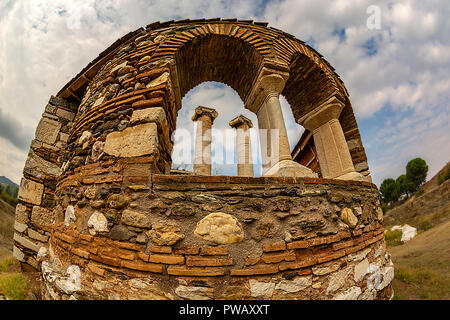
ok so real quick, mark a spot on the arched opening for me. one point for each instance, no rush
(228, 105)
(218, 72)
(218, 58)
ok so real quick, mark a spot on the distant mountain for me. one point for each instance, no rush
(5, 181)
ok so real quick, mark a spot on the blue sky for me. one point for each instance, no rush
(397, 75)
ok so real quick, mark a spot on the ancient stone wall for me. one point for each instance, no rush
(198, 237)
(100, 217)
(34, 213)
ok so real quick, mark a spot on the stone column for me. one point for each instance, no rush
(332, 149)
(202, 153)
(244, 153)
(275, 150)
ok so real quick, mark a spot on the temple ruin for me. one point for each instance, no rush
(100, 216)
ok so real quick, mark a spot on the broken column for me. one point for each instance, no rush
(244, 154)
(202, 153)
(275, 150)
(332, 149)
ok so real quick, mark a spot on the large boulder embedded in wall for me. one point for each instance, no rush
(97, 223)
(348, 217)
(220, 228)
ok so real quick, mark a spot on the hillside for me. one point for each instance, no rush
(5, 181)
(422, 265)
(425, 210)
(6, 228)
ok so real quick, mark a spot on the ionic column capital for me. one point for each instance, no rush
(326, 112)
(269, 82)
(204, 111)
(241, 122)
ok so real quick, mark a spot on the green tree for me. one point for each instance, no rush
(388, 190)
(401, 185)
(8, 189)
(416, 174)
(16, 192)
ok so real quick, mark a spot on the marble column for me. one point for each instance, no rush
(332, 149)
(244, 153)
(275, 150)
(202, 153)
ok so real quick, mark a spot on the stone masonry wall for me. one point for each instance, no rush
(99, 216)
(194, 237)
(34, 213)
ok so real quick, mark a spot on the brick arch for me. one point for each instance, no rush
(229, 60)
(273, 46)
(308, 85)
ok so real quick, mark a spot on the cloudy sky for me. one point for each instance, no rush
(396, 68)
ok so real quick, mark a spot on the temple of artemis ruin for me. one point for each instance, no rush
(100, 216)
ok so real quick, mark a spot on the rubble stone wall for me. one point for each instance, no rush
(196, 237)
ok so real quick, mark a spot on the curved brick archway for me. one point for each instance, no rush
(98, 205)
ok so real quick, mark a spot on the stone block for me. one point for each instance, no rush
(361, 166)
(161, 79)
(97, 223)
(361, 269)
(21, 213)
(20, 227)
(295, 285)
(30, 191)
(156, 115)
(350, 294)
(27, 243)
(289, 168)
(338, 280)
(165, 235)
(47, 130)
(68, 115)
(261, 289)
(18, 254)
(133, 142)
(69, 216)
(194, 293)
(349, 218)
(37, 236)
(40, 168)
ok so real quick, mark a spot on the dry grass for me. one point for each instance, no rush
(6, 229)
(6, 264)
(14, 286)
(393, 237)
